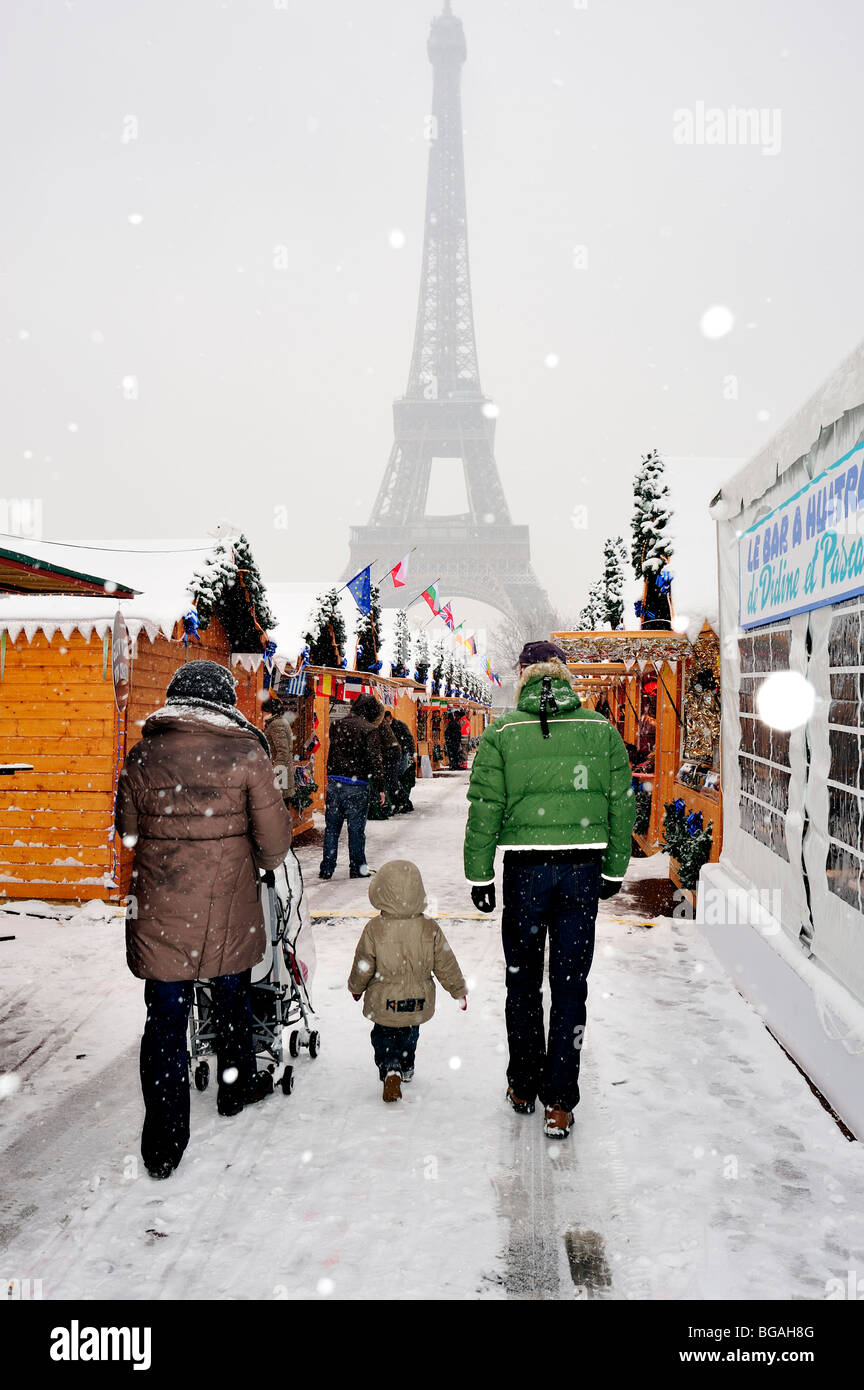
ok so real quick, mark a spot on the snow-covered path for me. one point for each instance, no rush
(700, 1166)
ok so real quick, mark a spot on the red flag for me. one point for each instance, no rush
(399, 573)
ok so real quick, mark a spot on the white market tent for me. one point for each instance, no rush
(793, 823)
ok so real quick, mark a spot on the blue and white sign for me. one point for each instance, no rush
(807, 552)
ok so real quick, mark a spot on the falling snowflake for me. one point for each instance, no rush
(716, 322)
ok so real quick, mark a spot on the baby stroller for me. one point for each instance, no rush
(282, 1010)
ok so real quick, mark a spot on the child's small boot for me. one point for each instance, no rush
(392, 1086)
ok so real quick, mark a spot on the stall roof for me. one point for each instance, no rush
(157, 572)
(843, 390)
(23, 573)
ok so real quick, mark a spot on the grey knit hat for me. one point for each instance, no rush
(202, 680)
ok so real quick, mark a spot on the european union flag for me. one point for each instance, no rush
(360, 589)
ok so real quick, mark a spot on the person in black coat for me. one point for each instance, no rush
(453, 741)
(355, 772)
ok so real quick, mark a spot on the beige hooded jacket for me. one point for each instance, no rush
(400, 951)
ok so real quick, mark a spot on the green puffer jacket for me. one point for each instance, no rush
(570, 790)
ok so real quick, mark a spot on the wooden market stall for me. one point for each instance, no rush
(662, 692)
(314, 692)
(78, 677)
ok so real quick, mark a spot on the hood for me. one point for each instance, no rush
(531, 681)
(397, 890)
(367, 707)
(198, 716)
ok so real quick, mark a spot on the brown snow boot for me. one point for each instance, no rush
(558, 1123)
(392, 1086)
(522, 1107)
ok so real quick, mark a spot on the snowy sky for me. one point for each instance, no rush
(206, 317)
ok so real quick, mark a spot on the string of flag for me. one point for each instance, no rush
(360, 589)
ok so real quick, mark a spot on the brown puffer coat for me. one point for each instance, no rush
(400, 951)
(278, 734)
(198, 795)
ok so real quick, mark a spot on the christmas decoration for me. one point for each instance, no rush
(369, 634)
(642, 798)
(421, 658)
(614, 560)
(438, 659)
(686, 841)
(401, 644)
(326, 638)
(230, 585)
(652, 544)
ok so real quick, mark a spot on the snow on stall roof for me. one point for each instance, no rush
(843, 390)
(161, 570)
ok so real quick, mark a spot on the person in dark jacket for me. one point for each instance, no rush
(355, 771)
(391, 756)
(551, 784)
(453, 741)
(197, 801)
(407, 771)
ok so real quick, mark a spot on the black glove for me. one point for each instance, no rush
(483, 897)
(610, 886)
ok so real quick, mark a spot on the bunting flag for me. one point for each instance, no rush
(360, 589)
(457, 633)
(471, 645)
(293, 684)
(431, 597)
(447, 615)
(399, 573)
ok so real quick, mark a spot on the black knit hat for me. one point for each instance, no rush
(534, 652)
(202, 680)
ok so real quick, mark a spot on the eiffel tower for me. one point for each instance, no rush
(479, 554)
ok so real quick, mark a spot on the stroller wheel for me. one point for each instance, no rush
(287, 1082)
(294, 1044)
(202, 1076)
(314, 1044)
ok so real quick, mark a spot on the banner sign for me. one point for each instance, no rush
(808, 551)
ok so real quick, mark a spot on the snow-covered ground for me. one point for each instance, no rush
(700, 1165)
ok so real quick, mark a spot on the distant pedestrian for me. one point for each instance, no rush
(391, 756)
(397, 956)
(453, 741)
(406, 774)
(355, 772)
(277, 731)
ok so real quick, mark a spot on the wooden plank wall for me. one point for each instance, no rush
(57, 712)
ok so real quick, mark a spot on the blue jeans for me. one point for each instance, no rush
(394, 1048)
(561, 898)
(351, 803)
(165, 1061)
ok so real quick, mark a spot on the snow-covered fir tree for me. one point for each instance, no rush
(229, 584)
(326, 635)
(652, 545)
(439, 653)
(592, 614)
(421, 658)
(368, 638)
(460, 675)
(401, 645)
(614, 560)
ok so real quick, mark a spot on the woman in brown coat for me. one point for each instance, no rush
(197, 801)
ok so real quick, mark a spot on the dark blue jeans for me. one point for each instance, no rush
(394, 1048)
(560, 898)
(351, 803)
(165, 1061)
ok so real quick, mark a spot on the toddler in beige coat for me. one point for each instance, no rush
(397, 956)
